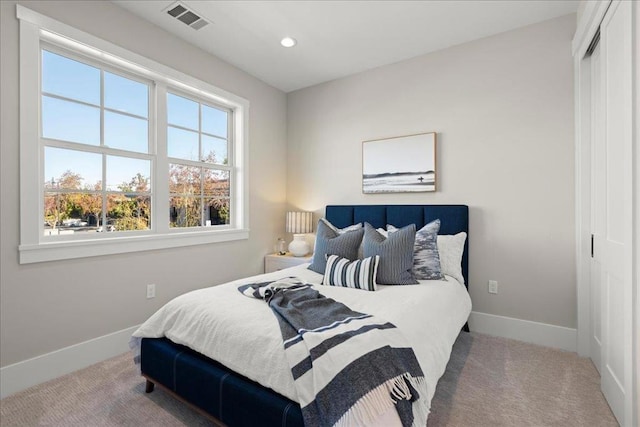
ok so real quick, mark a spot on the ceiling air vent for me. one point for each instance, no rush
(187, 16)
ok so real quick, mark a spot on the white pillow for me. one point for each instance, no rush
(341, 230)
(451, 248)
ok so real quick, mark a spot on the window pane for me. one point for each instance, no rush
(182, 144)
(126, 95)
(70, 121)
(69, 213)
(185, 212)
(182, 112)
(72, 170)
(71, 79)
(216, 183)
(126, 212)
(125, 132)
(184, 179)
(129, 175)
(214, 121)
(217, 211)
(214, 150)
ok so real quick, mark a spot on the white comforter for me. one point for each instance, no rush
(243, 334)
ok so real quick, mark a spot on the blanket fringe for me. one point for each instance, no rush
(382, 398)
(135, 344)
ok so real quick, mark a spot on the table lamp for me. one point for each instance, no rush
(299, 223)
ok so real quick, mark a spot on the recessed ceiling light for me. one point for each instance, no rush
(288, 42)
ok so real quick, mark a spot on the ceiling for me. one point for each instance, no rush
(339, 38)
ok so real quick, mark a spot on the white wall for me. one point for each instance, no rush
(581, 7)
(48, 306)
(503, 110)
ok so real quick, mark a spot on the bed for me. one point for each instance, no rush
(236, 389)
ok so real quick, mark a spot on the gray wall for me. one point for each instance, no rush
(47, 306)
(503, 110)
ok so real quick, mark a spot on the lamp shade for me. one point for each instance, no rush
(299, 222)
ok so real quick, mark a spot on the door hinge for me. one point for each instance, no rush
(592, 246)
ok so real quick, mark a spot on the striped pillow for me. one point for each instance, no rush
(359, 274)
(396, 254)
(334, 243)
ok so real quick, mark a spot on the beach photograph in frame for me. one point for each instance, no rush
(402, 164)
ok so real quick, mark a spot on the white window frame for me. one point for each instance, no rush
(36, 29)
(197, 163)
(100, 149)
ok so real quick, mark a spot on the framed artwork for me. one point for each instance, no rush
(402, 164)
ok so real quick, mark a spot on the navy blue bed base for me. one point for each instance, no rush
(230, 399)
(213, 389)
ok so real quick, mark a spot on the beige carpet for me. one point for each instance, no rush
(489, 382)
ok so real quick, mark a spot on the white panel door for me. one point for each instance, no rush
(616, 257)
(598, 206)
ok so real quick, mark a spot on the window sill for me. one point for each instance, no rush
(53, 251)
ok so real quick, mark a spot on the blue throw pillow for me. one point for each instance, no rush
(396, 254)
(330, 242)
(426, 257)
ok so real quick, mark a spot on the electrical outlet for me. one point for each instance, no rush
(151, 291)
(493, 287)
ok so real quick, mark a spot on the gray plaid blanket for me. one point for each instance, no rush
(348, 367)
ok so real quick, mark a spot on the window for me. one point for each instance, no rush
(125, 154)
(95, 136)
(198, 150)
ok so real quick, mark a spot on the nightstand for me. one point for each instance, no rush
(275, 262)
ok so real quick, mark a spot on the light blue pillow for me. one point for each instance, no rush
(396, 254)
(330, 242)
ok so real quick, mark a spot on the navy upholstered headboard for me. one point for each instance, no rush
(453, 220)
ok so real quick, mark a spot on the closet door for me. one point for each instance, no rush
(598, 206)
(616, 256)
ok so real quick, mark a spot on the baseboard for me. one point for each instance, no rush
(22, 375)
(524, 330)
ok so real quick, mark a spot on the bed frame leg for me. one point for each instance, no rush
(465, 327)
(149, 387)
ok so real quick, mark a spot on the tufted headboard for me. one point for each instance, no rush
(453, 219)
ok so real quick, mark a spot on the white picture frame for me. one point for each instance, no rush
(401, 164)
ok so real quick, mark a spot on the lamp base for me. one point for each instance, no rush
(299, 246)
